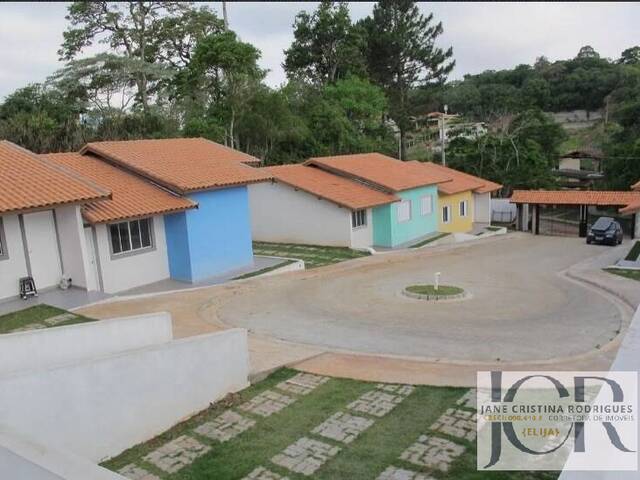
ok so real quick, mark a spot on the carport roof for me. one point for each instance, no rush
(29, 182)
(334, 188)
(132, 197)
(577, 197)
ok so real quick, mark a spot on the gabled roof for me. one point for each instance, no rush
(633, 207)
(181, 164)
(29, 182)
(131, 196)
(378, 169)
(460, 181)
(334, 188)
(635, 186)
(577, 197)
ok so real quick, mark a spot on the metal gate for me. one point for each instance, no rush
(559, 220)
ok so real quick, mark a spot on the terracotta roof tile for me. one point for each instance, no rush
(339, 190)
(633, 207)
(460, 181)
(28, 182)
(635, 186)
(131, 195)
(576, 197)
(181, 164)
(379, 169)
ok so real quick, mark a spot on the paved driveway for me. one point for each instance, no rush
(521, 308)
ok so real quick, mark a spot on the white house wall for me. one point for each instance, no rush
(14, 266)
(482, 207)
(279, 213)
(72, 244)
(132, 270)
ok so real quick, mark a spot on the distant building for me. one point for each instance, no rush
(580, 168)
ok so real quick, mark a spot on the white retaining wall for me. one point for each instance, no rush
(25, 459)
(97, 408)
(280, 213)
(45, 348)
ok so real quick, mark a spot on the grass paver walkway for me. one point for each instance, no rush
(313, 255)
(373, 453)
(38, 316)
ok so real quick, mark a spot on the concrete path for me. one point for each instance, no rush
(350, 320)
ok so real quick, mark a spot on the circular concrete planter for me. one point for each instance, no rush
(435, 296)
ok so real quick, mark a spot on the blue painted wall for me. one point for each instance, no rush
(388, 232)
(214, 238)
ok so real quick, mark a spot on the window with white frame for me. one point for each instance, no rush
(426, 205)
(3, 243)
(404, 211)
(463, 208)
(446, 214)
(358, 218)
(131, 236)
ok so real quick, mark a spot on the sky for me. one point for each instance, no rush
(483, 35)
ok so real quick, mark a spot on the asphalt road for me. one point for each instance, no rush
(521, 307)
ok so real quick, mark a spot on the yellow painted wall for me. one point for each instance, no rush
(457, 224)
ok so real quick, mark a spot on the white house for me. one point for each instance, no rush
(41, 232)
(124, 235)
(304, 204)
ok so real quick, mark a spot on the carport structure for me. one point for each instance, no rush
(530, 203)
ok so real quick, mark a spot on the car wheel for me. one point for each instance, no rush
(588, 241)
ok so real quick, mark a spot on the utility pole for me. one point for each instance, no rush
(443, 133)
(224, 16)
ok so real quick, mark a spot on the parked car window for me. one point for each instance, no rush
(130, 236)
(358, 218)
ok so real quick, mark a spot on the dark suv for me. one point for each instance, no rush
(605, 230)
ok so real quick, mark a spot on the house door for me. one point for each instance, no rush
(93, 281)
(42, 247)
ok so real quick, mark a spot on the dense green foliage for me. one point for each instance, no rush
(174, 69)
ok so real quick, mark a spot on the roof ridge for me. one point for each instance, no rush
(72, 173)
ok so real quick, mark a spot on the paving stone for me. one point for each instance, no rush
(63, 317)
(262, 473)
(302, 383)
(177, 453)
(433, 452)
(404, 390)
(376, 402)
(225, 427)
(343, 427)
(468, 400)
(305, 456)
(394, 473)
(267, 403)
(134, 472)
(457, 423)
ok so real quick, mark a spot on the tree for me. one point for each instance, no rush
(630, 56)
(148, 32)
(402, 55)
(587, 52)
(220, 81)
(326, 46)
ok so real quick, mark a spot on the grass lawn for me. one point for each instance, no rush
(264, 270)
(313, 255)
(36, 317)
(626, 273)
(375, 449)
(431, 290)
(634, 253)
(429, 240)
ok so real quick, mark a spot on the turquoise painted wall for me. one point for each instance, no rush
(388, 232)
(213, 239)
